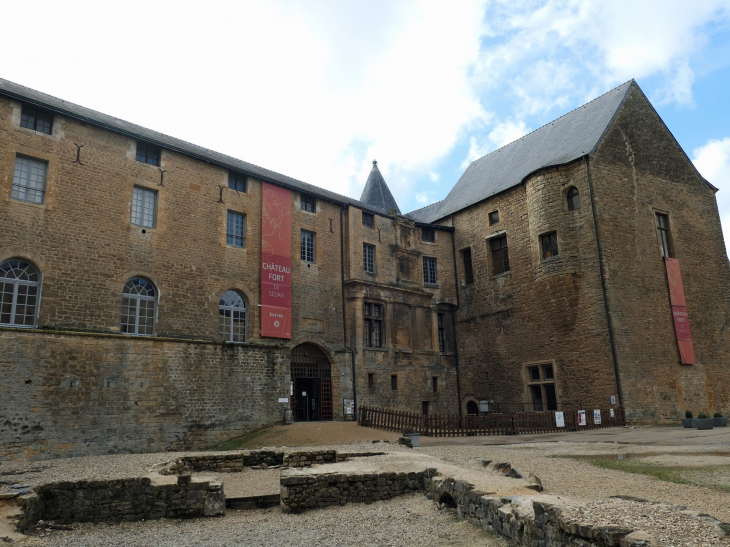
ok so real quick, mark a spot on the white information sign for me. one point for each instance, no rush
(559, 419)
(610, 410)
(283, 399)
(597, 417)
(581, 417)
(613, 399)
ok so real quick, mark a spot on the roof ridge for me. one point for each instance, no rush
(553, 121)
(425, 207)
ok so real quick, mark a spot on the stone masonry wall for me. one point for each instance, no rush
(77, 395)
(122, 500)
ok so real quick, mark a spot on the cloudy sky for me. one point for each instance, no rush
(316, 89)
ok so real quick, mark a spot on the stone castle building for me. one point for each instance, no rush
(158, 295)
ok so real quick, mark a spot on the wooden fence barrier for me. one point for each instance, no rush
(453, 425)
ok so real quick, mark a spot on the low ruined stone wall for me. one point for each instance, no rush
(118, 500)
(302, 492)
(307, 459)
(527, 522)
(263, 457)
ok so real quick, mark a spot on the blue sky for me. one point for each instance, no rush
(317, 89)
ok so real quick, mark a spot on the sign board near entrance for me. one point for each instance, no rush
(581, 417)
(275, 261)
(559, 419)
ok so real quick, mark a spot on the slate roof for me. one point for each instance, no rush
(376, 191)
(566, 139)
(31, 96)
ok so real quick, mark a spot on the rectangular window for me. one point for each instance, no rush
(468, 272)
(36, 119)
(428, 235)
(429, 270)
(29, 179)
(308, 240)
(500, 255)
(442, 338)
(368, 257)
(309, 203)
(373, 325)
(665, 240)
(144, 207)
(236, 229)
(368, 219)
(424, 408)
(493, 218)
(237, 181)
(371, 380)
(435, 383)
(148, 153)
(541, 388)
(394, 382)
(549, 244)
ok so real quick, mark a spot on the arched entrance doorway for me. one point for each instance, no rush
(311, 384)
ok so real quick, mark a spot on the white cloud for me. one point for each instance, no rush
(423, 198)
(502, 134)
(713, 162)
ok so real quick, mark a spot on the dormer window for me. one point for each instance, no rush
(428, 235)
(148, 153)
(309, 203)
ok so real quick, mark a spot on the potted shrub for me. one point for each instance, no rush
(413, 436)
(703, 422)
(719, 420)
(688, 420)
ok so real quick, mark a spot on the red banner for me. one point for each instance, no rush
(275, 262)
(679, 312)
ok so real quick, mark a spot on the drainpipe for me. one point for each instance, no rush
(344, 312)
(453, 315)
(603, 285)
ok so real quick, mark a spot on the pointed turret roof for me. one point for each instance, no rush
(377, 193)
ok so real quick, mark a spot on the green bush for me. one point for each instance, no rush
(702, 415)
(688, 414)
(717, 415)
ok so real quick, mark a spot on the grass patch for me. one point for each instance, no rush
(237, 443)
(679, 475)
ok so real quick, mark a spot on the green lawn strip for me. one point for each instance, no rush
(247, 441)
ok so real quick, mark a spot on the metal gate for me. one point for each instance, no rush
(311, 377)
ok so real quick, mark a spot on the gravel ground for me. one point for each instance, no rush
(252, 482)
(406, 521)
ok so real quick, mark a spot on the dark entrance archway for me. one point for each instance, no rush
(311, 381)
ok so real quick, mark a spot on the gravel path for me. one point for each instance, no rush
(252, 482)
(406, 521)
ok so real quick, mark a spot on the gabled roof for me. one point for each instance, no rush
(71, 110)
(566, 139)
(377, 193)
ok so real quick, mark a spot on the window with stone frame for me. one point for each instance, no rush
(435, 384)
(308, 203)
(394, 382)
(429, 270)
(371, 380)
(541, 388)
(232, 317)
(237, 181)
(368, 219)
(20, 286)
(500, 255)
(139, 300)
(368, 258)
(374, 316)
(468, 271)
(29, 179)
(549, 245)
(144, 207)
(308, 246)
(573, 197)
(428, 235)
(148, 153)
(665, 237)
(236, 229)
(493, 218)
(37, 119)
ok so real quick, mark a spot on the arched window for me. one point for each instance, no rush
(472, 408)
(573, 199)
(139, 299)
(233, 316)
(20, 284)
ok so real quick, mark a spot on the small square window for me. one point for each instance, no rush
(368, 219)
(309, 203)
(493, 218)
(308, 241)
(368, 257)
(29, 179)
(429, 270)
(144, 207)
(428, 235)
(236, 229)
(237, 181)
(549, 244)
(148, 153)
(394, 382)
(36, 119)
(371, 380)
